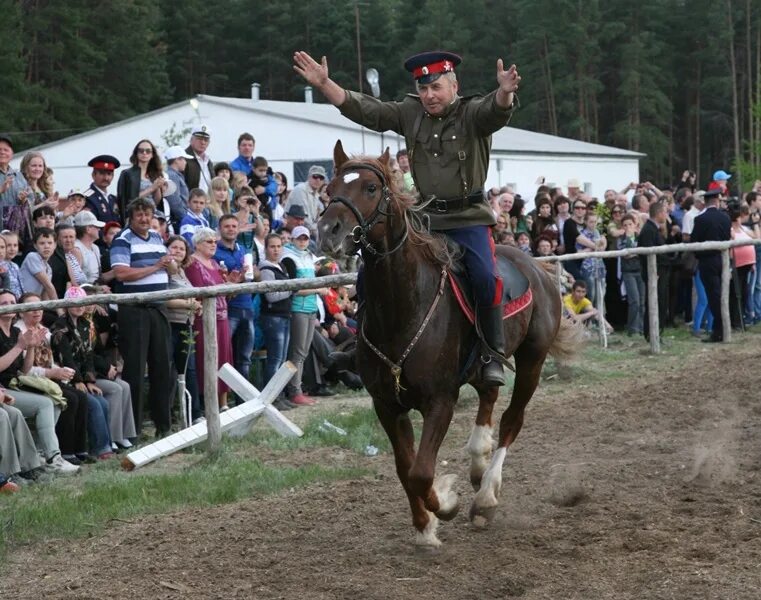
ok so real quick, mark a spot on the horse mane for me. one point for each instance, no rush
(405, 206)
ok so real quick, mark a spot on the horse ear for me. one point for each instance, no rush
(386, 156)
(339, 156)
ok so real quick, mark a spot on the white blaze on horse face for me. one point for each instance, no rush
(491, 483)
(479, 448)
(349, 177)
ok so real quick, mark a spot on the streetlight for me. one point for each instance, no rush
(373, 78)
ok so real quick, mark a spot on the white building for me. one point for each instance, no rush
(294, 135)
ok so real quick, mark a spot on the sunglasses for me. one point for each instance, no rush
(144, 151)
(579, 208)
(317, 177)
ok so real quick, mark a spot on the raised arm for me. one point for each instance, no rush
(316, 75)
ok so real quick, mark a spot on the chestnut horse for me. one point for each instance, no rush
(416, 343)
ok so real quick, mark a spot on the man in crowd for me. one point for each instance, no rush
(449, 138)
(307, 195)
(245, 161)
(239, 308)
(712, 226)
(574, 189)
(688, 220)
(176, 162)
(572, 234)
(98, 201)
(653, 234)
(141, 264)
(88, 232)
(199, 170)
(294, 216)
(13, 186)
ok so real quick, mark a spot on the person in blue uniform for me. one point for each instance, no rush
(97, 199)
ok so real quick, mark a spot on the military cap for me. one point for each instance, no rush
(427, 67)
(201, 131)
(104, 162)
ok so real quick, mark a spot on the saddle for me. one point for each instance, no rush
(516, 295)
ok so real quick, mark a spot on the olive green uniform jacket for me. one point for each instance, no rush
(449, 154)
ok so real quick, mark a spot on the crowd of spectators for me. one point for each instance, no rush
(184, 220)
(181, 220)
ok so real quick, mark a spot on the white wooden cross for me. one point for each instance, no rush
(237, 420)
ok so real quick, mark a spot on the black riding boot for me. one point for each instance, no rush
(490, 320)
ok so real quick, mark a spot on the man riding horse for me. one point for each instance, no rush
(448, 140)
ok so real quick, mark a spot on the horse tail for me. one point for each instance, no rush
(568, 341)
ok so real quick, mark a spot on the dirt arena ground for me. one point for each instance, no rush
(640, 485)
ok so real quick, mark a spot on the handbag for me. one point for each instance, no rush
(39, 383)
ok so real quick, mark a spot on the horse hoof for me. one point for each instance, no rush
(427, 538)
(481, 516)
(449, 502)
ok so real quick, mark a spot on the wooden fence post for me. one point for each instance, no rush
(211, 406)
(726, 274)
(652, 304)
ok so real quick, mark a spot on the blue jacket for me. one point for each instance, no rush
(233, 260)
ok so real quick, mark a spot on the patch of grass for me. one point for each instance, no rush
(88, 503)
(360, 424)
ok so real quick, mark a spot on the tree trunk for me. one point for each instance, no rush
(749, 71)
(733, 74)
(551, 111)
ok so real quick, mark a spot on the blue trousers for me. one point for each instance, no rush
(478, 256)
(701, 306)
(98, 432)
(241, 322)
(277, 333)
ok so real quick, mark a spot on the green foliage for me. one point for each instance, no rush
(650, 76)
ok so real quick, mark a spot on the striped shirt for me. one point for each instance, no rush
(130, 250)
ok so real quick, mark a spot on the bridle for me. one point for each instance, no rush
(359, 233)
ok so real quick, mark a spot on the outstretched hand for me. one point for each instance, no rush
(316, 74)
(509, 79)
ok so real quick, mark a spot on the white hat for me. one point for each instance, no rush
(176, 152)
(201, 131)
(299, 231)
(85, 218)
(574, 183)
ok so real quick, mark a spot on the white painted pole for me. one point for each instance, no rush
(599, 296)
(211, 406)
(652, 304)
(559, 275)
(726, 274)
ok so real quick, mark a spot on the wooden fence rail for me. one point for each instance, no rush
(208, 294)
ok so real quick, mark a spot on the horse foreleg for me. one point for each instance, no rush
(480, 443)
(438, 495)
(399, 430)
(528, 368)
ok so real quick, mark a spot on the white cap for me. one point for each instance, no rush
(300, 230)
(176, 152)
(85, 218)
(201, 131)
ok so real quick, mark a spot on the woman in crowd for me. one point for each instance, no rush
(544, 223)
(298, 262)
(71, 427)
(9, 272)
(15, 361)
(67, 240)
(182, 314)
(39, 178)
(614, 304)
(744, 256)
(631, 272)
(144, 178)
(275, 317)
(260, 236)
(19, 459)
(247, 210)
(70, 342)
(278, 213)
(219, 201)
(204, 271)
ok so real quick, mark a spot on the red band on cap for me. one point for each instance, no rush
(104, 166)
(443, 66)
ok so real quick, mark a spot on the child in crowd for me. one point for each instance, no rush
(194, 219)
(264, 185)
(524, 243)
(9, 277)
(219, 201)
(592, 269)
(631, 273)
(223, 170)
(12, 247)
(35, 273)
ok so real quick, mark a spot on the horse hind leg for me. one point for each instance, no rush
(528, 368)
(480, 442)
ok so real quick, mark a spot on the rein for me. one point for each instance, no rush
(396, 367)
(359, 233)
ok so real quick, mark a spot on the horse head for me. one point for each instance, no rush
(360, 204)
